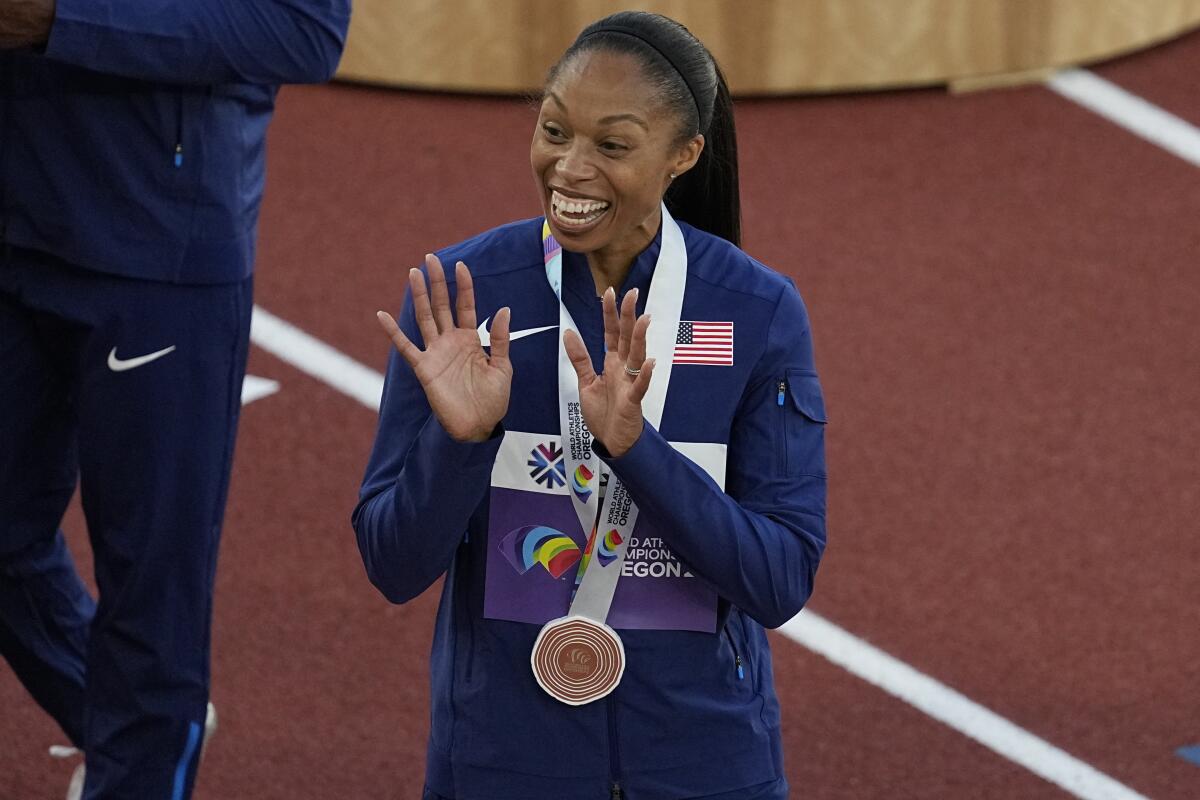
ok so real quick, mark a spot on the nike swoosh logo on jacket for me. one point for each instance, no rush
(485, 337)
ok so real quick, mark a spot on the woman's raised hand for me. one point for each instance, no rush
(612, 402)
(467, 390)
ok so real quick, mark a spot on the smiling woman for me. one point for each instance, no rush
(603, 177)
(619, 510)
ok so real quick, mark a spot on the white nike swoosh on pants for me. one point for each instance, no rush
(122, 364)
(485, 338)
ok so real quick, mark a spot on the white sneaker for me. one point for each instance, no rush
(75, 787)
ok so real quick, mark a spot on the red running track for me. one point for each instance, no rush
(1004, 290)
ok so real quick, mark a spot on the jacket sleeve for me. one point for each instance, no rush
(202, 41)
(759, 542)
(420, 488)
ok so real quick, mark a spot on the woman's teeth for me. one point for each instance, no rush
(576, 212)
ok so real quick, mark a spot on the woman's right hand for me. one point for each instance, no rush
(467, 389)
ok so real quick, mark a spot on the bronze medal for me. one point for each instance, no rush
(578, 660)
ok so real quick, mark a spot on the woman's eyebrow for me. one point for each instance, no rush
(610, 119)
(634, 118)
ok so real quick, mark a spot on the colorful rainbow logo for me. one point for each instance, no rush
(608, 547)
(607, 554)
(539, 544)
(587, 559)
(580, 483)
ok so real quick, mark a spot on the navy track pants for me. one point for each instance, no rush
(132, 388)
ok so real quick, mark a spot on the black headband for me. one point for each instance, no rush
(641, 37)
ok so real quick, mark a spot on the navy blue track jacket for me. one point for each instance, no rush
(696, 713)
(135, 143)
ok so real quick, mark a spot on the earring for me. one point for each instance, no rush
(673, 176)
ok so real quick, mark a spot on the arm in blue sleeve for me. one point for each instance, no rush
(420, 489)
(759, 542)
(202, 41)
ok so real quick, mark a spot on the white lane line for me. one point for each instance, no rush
(312, 356)
(953, 708)
(843, 648)
(1131, 112)
(256, 388)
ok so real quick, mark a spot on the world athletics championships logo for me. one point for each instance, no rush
(603, 547)
(607, 552)
(580, 481)
(531, 545)
(546, 465)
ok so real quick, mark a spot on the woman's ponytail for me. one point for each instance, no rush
(707, 196)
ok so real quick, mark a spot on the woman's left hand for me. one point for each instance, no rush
(612, 402)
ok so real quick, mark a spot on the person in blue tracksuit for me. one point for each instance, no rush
(470, 446)
(132, 142)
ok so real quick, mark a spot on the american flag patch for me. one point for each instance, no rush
(709, 343)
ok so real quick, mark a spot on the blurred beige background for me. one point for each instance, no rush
(765, 46)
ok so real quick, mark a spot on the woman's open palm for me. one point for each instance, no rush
(467, 389)
(612, 401)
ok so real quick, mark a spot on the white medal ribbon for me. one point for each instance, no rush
(582, 634)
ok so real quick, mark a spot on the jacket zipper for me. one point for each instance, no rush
(462, 603)
(470, 651)
(779, 399)
(737, 658)
(179, 132)
(614, 758)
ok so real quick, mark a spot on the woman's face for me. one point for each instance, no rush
(603, 153)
